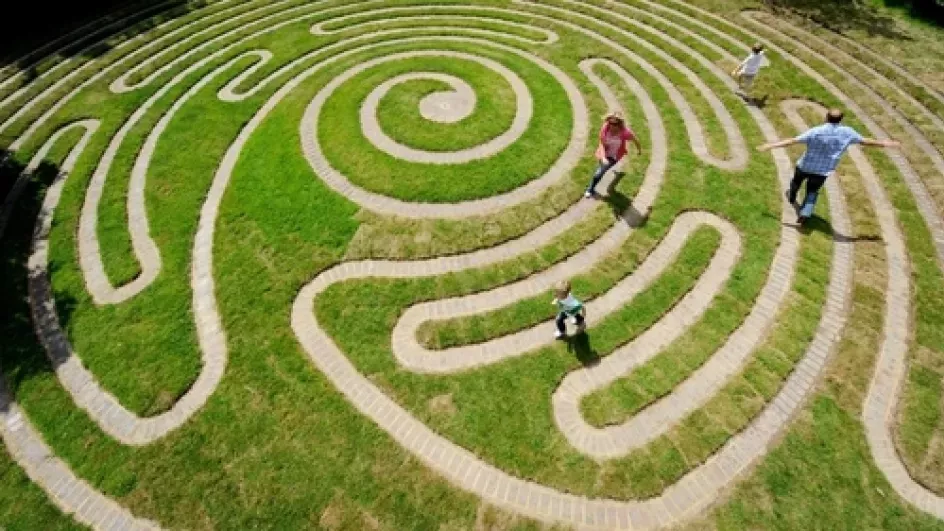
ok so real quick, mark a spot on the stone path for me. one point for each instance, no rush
(693, 492)
(71, 494)
(394, 207)
(69, 53)
(885, 389)
(932, 216)
(881, 400)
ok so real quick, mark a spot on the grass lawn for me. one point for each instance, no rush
(277, 446)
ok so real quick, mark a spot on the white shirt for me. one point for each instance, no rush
(752, 64)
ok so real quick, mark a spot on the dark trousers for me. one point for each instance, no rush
(562, 316)
(813, 184)
(604, 167)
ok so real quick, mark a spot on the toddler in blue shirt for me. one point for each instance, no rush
(567, 306)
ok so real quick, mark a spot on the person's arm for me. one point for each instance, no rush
(630, 135)
(780, 144)
(739, 67)
(871, 142)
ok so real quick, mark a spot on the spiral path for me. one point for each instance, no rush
(671, 75)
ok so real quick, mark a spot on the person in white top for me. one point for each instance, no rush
(749, 67)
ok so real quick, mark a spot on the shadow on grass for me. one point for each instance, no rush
(10, 170)
(842, 15)
(927, 10)
(100, 25)
(818, 224)
(622, 206)
(760, 102)
(579, 345)
(21, 355)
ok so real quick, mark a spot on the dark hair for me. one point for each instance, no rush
(758, 48)
(834, 116)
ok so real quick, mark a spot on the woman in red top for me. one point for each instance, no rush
(613, 137)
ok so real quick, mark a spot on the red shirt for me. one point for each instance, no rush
(609, 141)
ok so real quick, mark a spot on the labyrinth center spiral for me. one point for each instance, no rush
(461, 100)
(428, 122)
(449, 106)
(490, 123)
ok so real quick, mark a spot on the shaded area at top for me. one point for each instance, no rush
(30, 31)
(864, 15)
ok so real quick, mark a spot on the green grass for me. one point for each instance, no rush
(529, 157)
(277, 446)
(923, 412)
(23, 506)
(400, 117)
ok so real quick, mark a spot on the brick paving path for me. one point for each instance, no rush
(879, 410)
(479, 207)
(696, 490)
(370, 122)
(73, 495)
(930, 213)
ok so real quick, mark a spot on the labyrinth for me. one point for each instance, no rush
(288, 265)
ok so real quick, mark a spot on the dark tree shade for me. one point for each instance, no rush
(29, 24)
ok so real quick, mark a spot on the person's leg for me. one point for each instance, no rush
(813, 185)
(561, 329)
(579, 321)
(747, 81)
(795, 183)
(602, 168)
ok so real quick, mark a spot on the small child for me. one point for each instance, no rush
(567, 306)
(749, 67)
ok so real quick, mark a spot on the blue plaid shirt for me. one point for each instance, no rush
(825, 144)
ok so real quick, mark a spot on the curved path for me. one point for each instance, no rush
(104, 409)
(394, 207)
(932, 215)
(87, 33)
(522, 496)
(883, 393)
(71, 494)
(694, 491)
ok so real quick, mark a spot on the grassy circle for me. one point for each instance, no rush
(399, 113)
(348, 150)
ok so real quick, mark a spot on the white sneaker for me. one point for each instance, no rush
(588, 194)
(558, 334)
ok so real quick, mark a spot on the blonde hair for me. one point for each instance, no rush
(562, 289)
(615, 114)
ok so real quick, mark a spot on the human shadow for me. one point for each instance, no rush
(622, 206)
(818, 224)
(21, 356)
(760, 102)
(579, 345)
